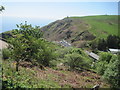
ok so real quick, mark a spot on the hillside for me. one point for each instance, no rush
(31, 61)
(33, 77)
(80, 30)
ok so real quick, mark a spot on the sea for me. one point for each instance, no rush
(9, 23)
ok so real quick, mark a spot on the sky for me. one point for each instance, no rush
(58, 10)
(60, 0)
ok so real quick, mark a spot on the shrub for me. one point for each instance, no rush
(6, 53)
(73, 57)
(101, 67)
(102, 45)
(44, 52)
(105, 56)
(103, 62)
(113, 39)
(63, 51)
(112, 73)
(94, 44)
(109, 67)
(77, 61)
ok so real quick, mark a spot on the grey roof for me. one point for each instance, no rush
(93, 55)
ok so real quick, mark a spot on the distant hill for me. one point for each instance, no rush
(79, 30)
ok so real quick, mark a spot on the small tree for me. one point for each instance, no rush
(18, 49)
(27, 45)
(21, 43)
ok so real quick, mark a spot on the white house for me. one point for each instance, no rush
(114, 51)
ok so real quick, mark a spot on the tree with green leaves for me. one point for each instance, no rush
(28, 45)
(113, 41)
(102, 45)
(18, 49)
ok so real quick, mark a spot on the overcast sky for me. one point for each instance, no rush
(58, 10)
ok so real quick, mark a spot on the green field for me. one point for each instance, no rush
(101, 26)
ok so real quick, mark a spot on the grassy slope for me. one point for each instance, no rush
(33, 77)
(98, 26)
(102, 26)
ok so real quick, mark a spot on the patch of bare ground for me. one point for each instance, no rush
(63, 77)
(3, 44)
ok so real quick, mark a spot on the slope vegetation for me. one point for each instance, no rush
(33, 77)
